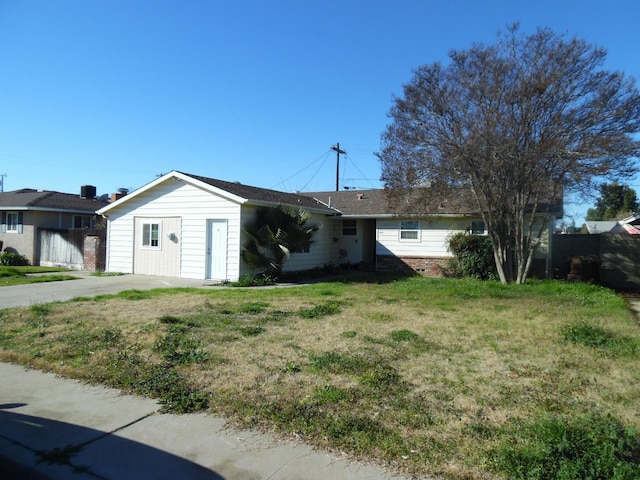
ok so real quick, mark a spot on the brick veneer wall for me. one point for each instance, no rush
(94, 253)
(425, 266)
(433, 266)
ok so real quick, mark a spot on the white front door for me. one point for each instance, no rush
(217, 249)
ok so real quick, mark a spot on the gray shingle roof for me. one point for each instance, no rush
(31, 199)
(264, 195)
(379, 203)
(355, 202)
(376, 203)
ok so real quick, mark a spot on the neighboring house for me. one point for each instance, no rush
(190, 226)
(35, 223)
(594, 227)
(629, 225)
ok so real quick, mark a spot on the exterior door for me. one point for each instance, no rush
(217, 249)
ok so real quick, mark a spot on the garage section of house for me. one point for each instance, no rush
(156, 246)
(188, 226)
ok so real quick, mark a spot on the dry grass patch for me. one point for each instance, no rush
(431, 377)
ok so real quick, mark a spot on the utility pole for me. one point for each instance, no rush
(336, 149)
(2, 175)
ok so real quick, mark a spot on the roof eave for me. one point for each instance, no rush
(49, 209)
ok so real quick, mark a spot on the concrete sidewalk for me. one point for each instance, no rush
(54, 428)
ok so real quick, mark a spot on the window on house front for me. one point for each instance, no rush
(410, 231)
(349, 228)
(478, 227)
(151, 235)
(12, 222)
(81, 221)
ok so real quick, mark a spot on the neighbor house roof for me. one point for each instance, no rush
(601, 226)
(30, 199)
(631, 220)
(234, 191)
(626, 225)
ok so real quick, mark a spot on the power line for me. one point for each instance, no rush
(325, 154)
(316, 172)
(360, 171)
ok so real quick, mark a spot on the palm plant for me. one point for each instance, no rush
(273, 234)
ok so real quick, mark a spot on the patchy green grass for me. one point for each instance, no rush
(23, 275)
(448, 378)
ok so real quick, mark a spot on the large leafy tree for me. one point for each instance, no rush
(273, 234)
(614, 203)
(510, 128)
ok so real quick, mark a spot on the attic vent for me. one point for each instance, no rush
(360, 196)
(88, 191)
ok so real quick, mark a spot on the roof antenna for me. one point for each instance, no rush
(2, 175)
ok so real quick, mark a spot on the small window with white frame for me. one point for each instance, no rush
(13, 222)
(151, 235)
(410, 231)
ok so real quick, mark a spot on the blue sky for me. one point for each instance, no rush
(112, 93)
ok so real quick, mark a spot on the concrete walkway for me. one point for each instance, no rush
(57, 429)
(88, 285)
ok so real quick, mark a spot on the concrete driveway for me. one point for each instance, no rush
(88, 285)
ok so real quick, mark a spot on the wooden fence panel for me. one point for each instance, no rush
(618, 255)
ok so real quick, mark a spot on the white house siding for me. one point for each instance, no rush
(424, 255)
(432, 238)
(322, 249)
(120, 230)
(320, 253)
(194, 206)
(429, 252)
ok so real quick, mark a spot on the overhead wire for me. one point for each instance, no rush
(324, 157)
(325, 154)
(359, 171)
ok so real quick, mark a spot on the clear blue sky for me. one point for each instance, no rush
(113, 92)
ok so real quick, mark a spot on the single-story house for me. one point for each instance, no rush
(190, 226)
(373, 234)
(34, 222)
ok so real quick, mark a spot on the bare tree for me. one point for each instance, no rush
(514, 125)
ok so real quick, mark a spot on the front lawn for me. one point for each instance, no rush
(457, 379)
(21, 275)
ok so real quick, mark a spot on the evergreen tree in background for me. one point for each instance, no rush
(615, 203)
